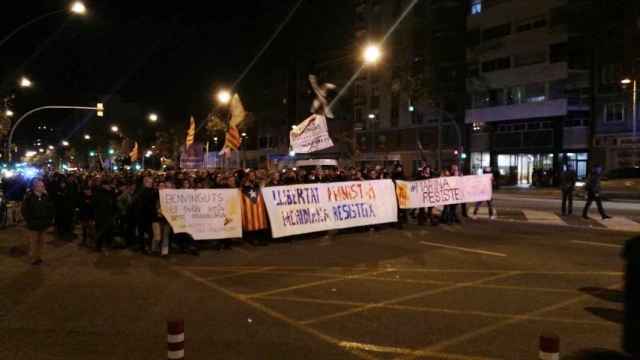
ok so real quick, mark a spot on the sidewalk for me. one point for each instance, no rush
(555, 193)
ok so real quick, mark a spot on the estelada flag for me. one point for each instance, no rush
(134, 155)
(191, 133)
(254, 212)
(232, 139)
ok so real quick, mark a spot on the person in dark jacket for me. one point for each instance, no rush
(63, 200)
(146, 213)
(593, 188)
(104, 205)
(398, 174)
(38, 212)
(426, 174)
(86, 216)
(567, 186)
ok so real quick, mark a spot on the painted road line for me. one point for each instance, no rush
(409, 297)
(490, 328)
(597, 244)
(620, 223)
(274, 314)
(405, 351)
(543, 217)
(483, 252)
(255, 271)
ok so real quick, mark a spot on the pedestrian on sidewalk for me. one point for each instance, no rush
(593, 188)
(568, 186)
(38, 212)
(487, 171)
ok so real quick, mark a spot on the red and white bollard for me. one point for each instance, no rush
(175, 340)
(549, 347)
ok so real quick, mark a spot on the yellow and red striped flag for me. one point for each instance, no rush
(232, 139)
(191, 133)
(134, 155)
(254, 212)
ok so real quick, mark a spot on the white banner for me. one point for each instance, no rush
(204, 214)
(310, 135)
(305, 208)
(443, 191)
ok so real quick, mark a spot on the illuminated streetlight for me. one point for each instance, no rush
(372, 116)
(78, 8)
(87, 137)
(25, 82)
(244, 134)
(111, 151)
(51, 147)
(148, 154)
(8, 113)
(115, 128)
(625, 81)
(372, 54)
(224, 96)
(65, 143)
(153, 117)
(92, 153)
(41, 150)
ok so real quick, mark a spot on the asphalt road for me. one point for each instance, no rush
(531, 201)
(483, 290)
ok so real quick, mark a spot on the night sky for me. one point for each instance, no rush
(165, 56)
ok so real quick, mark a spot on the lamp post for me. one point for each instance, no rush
(634, 105)
(77, 8)
(99, 108)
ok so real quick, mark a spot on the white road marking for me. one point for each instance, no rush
(463, 249)
(596, 244)
(543, 217)
(620, 223)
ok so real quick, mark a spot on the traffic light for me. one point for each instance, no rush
(100, 109)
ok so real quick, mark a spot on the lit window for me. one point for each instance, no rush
(476, 7)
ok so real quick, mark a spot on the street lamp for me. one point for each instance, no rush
(115, 128)
(50, 147)
(634, 106)
(65, 143)
(8, 113)
(25, 82)
(78, 8)
(87, 137)
(224, 96)
(153, 117)
(372, 54)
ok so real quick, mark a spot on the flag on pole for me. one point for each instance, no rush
(191, 133)
(232, 140)
(134, 155)
(320, 105)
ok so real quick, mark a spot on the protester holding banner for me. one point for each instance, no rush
(426, 174)
(254, 215)
(487, 171)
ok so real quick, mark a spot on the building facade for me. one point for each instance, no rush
(409, 107)
(529, 101)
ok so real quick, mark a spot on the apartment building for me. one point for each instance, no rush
(528, 85)
(409, 107)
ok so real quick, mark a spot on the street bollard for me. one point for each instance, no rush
(549, 347)
(175, 340)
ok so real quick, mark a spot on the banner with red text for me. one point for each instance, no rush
(443, 191)
(306, 208)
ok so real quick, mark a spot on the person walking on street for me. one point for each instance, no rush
(487, 171)
(104, 205)
(425, 174)
(568, 186)
(38, 212)
(593, 188)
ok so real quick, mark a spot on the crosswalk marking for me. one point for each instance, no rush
(543, 217)
(620, 223)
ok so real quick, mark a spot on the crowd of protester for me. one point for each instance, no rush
(122, 210)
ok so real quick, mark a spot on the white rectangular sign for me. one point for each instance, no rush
(310, 135)
(204, 214)
(443, 191)
(306, 208)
